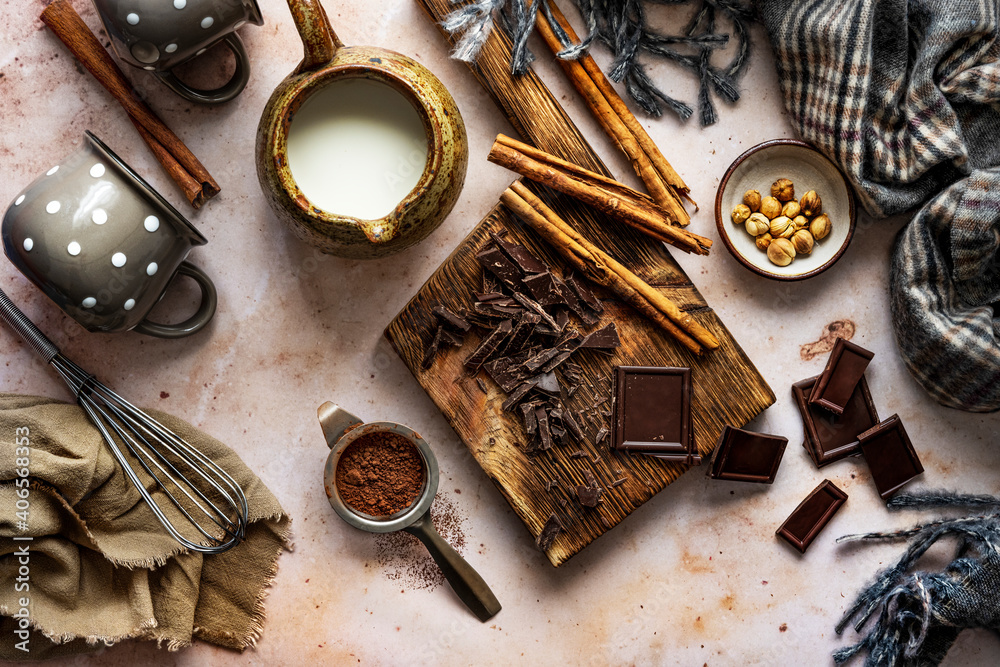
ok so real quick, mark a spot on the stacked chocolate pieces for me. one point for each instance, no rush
(523, 317)
(840, 420)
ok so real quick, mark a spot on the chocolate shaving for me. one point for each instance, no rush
(431, 352)
(543, 289)
(515, 396)
(528, 414)
(578, 454)
(482, 385)
(448, 317)
(543, 428)
(601, 435)
(590, 495)
(618, 482)
(536, 308)
(572, 426)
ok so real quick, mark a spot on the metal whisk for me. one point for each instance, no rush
(209, 499)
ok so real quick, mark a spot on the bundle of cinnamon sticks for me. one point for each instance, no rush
(665, 185)
(179, 162)
(605, 194)
(603, 269)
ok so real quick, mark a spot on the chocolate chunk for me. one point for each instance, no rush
(451, 338)
(497, 263)
(578, 454)
(522, 332)
(843, 371)
(745, 456)
(488, 346)
(515, 396)
(520, 255)
(431, 352)
(550, 531)
(498, 310)
(601, 435)
(589, 495)
(482, 385)
(653, 412)
(448, 317)
(543, 289)
(536, 308)
(505, 372)
(540, 359)
(572, 426)
(890, 455)
(528, 415)
(584, 294)
(605, 338)
(829, 437)
(544, 434)
(811, 516)
(618, 482)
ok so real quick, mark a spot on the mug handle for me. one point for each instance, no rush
(209, 300)
(319, 41)
(219, 95)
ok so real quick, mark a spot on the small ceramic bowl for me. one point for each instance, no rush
(808, 169)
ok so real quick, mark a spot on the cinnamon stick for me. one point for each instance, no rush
(664, 183)
(617, 201)
(603, 269)
(177, 160)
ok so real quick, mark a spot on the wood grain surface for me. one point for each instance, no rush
(727, 388)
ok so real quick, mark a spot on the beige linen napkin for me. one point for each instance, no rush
(101, 568)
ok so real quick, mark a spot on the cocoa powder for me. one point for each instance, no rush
(380, 473)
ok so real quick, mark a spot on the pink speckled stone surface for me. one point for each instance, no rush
(695, 576)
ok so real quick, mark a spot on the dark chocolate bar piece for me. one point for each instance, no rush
(584, 294)
(605, 338)
(589, 495)
(497, 263)
(550, 531)
(830, 437)
(488, 346)
(448, 317)
(543, 289)
(811, 516)
(652, 412)
(745, 456)
(520, 255)
(890, 455)
(843, 371)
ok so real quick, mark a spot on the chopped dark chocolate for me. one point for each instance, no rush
(605, 338)
(482, 385)
(550, 531)
(536, 308)
(578, 454)
(572, 426)
(496, 262)
(431, 352)
(844, 369)
(488, 346)
(584, 294)
(589, 495)
(505, 373)
(540, 359)
(486, 297)
(451, 319)
(618, 482)
(522, 331)
(653, 412)
(812, 515)
(830, 437)
(451, 338)
(520, 255)
(544, 434)
(543, 289)
(890, 455)
(528, 415)
(601, 435)
(746, 456)
(548, 383)
(515, 396)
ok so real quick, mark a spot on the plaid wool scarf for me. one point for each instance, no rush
(904, 96)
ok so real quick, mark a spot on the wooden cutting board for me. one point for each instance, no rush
(727, 388)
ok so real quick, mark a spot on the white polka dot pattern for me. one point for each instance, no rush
(89, 302)
(151, 269)
(180, 4)
(97, 170)
(53, 207)
(52, 170)
(207, 22)
(151, 223)
(73, 248)
(99, 216)
(118, 259)
(133, 19)
(28, 244)
(19, 201)
(170, 48)
(129, 305)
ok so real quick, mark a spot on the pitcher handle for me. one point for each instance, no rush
(319, 41)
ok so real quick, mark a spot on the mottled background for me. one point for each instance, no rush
(693, 577)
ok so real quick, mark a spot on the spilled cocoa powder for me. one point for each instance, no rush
(404, 560)
(380, 473)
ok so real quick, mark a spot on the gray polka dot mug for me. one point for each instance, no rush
(103, 244)
(159, 35)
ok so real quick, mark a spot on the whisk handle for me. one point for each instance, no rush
(20, 323)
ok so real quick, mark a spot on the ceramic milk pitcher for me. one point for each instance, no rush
(158, 36)
(103, 244)
(327, 63)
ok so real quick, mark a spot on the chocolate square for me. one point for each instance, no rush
(745, 456)
(811, 516)
(844, 369)
(652, 412)
(830, 437)
(890, 455)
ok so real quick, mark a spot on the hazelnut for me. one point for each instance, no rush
(820, 226)
(763, 241)
(757, 224)
(781, 252)
(800, 222)
(791, 209)
(803, 241)
(779, 225)
(783, 190)
(811, 204)
(770, 207)
(752, 200)
(740, 213)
